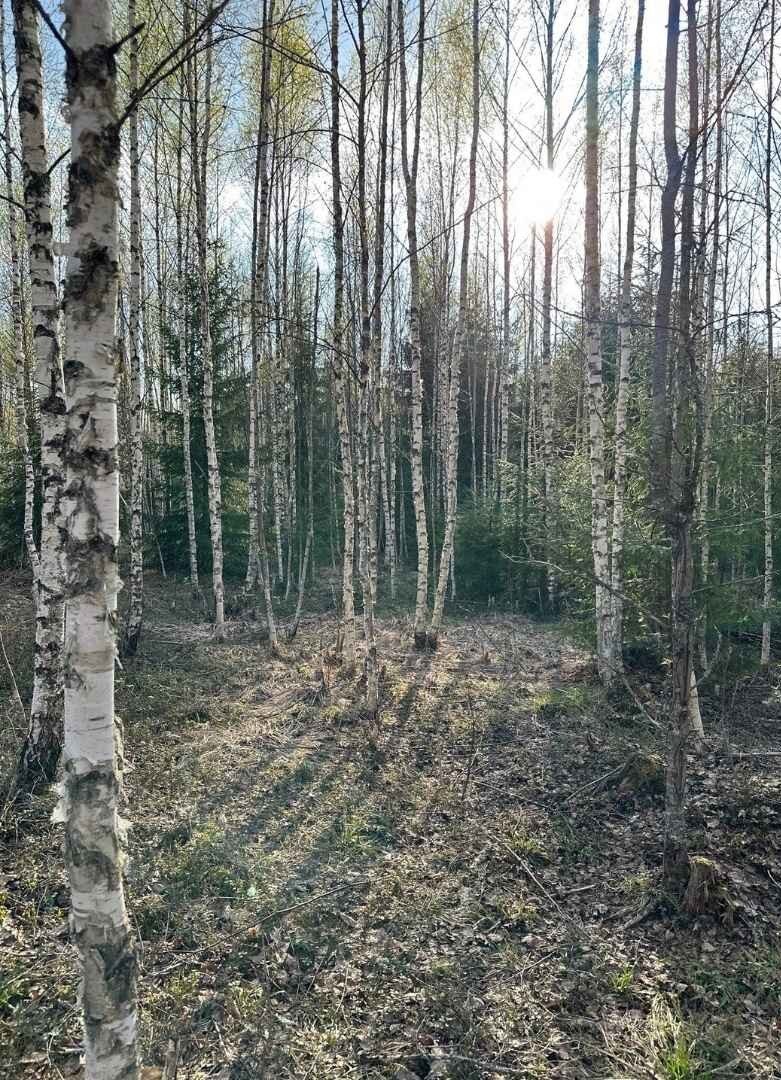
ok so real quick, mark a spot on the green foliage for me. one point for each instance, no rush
(13, 992)
(621, 980)
(672, 1046)
(168, 527)
(12, 547)
(481, 567)
(12, 553)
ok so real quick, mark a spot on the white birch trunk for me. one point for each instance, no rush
(136, 603)
(43, 744)
(199, 154)
(767, 464)
(546, 374)
(504, 383)
(451, 461)
(410, 170)
(624, 361)
(17, 324)
(596, 405)
(184, 385)
(310, 448)
(695, 717)
(92, 766)
(340, 366)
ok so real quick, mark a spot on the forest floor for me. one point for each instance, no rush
(452, 901)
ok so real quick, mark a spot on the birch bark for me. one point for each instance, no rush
(366, 410)
(310, 448)
(767, 464)
(136, 603)
(340, 366)
(596, 395)
(92, 756)
(624, 362)
(451, 470)
(409, 165)
(17, 323)
(199, 144)
(504, 378)
(546, 373)
(43, 744)
(184, 385)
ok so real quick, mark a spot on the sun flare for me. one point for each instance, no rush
(535, 196)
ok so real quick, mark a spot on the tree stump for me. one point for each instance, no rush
(641, 774)
(704, 891)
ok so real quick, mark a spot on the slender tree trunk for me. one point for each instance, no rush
(310, 451)
(504, 382)
(340, 367)
(546, 374)
(136, 603)
(17, 322)
(596, 396)
(377, 477)
(767, 464)
(43, 743)
(451, 471)
(675, 437)
(409, 165)
(184, 385)
(366, 392)
(702, 506)
(92, 758)
(257, 292)
(624, 362)
(199, 145)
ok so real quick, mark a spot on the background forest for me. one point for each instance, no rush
(423, 397)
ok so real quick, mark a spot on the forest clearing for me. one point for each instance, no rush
(390, 671)
(461, 899)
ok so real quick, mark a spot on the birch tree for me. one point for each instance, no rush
(596, 401)
(409, 166)
(767, 463)
(366, 507)
(42, 746)
(181, 324)
(136, 603)
(459, 348)
(17, 321)
(199, 156)
(546, 372)
(339, 361)
(92, 758)
(624, 362)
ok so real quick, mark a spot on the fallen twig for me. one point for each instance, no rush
(651, 720)
(594, 783)
(302, 903)
(648, 908)
(534, 879)
(481, 1063)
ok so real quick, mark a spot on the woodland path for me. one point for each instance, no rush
(312, 907)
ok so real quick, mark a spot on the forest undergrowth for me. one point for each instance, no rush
(470, 894)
